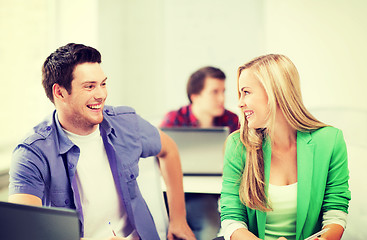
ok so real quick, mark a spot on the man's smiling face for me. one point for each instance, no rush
(83, 107)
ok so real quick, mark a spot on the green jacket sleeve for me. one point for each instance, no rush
(234, 162)
(337, 194)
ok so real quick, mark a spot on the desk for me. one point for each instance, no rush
(200, 184)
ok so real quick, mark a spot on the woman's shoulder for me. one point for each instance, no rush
(234, 141)
(234, 137)
(328, 131)
(328, 136)
(235, 151)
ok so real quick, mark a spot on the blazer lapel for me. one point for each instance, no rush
(261, 216)
(305, 152)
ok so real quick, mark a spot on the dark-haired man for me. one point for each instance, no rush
(85, 155)
(205, 91)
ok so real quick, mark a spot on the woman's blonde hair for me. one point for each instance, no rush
(280, 78)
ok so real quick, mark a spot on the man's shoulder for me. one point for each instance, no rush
(180, 117)
(182, 111)
(41, 131)
(121, 119)
(118, 110)
(229, 113)
(229, 119)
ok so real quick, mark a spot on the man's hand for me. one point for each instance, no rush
(180, 230)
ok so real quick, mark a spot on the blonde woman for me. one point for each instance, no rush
(285, 173)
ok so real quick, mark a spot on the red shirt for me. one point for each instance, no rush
(184, 117)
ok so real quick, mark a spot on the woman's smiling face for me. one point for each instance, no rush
(253, 100)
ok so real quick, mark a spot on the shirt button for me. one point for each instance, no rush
(67, 201)
(132, 176)
(48, 128)
(71, 166)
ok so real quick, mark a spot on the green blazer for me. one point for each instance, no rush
(323, 175)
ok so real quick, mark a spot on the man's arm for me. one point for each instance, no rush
(25, 199)
(170, 165)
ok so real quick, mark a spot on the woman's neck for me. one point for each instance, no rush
(284, 135)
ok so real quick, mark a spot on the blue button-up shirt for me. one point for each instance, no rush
(44, 164)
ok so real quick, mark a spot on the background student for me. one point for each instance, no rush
(85, 155)
(205, 91)
(285, 173)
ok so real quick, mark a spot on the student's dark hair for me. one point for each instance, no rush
(196, 81)
(59, 66)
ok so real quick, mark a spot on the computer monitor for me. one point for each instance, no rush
(201, 149)
(19, 222)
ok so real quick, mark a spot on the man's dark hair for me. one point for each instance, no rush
(197, 80)
(59, 66)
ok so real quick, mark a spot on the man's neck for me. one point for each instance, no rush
(78, 129)
(205, 120)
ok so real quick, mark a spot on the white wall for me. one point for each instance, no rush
(131, 43)
(151, 47)
(327, 41)
(75, 21)
(24, 43)
(29, 31)
(200, 33)
(19, 31)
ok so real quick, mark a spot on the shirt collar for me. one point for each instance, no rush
(65, 144)
(105, 125)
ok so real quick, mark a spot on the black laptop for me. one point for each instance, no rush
(19, 222)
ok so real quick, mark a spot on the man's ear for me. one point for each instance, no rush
(193, 97)
(58, 91)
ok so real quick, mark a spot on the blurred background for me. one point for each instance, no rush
(150, 47)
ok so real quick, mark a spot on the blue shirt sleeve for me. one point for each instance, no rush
(150, 138)
(26, 172)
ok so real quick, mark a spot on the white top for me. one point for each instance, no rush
(98, 194)
(281, 221)
(279, 197)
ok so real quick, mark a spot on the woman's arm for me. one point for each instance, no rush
(337, 194)
(243, 233)
(335, 232)
(232, 208)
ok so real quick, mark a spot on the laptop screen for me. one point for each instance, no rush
(201, 149)
(19, 222)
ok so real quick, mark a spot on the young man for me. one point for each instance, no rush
(85, 155)
(205, 90)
